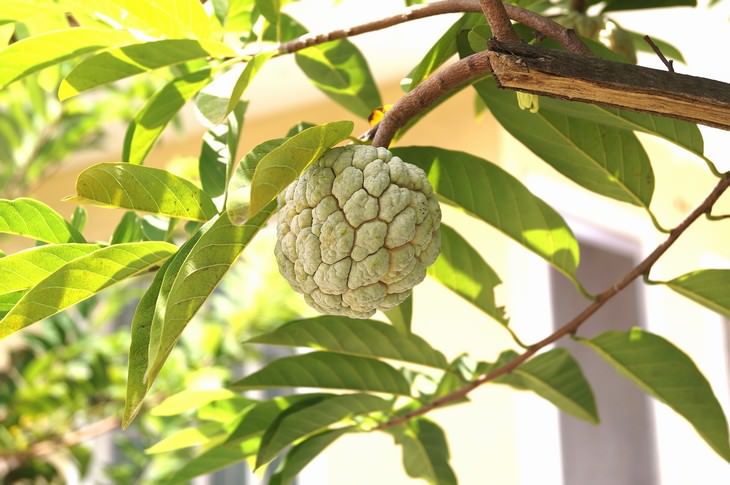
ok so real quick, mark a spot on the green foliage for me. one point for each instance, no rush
(366, 338)
(147, 126)
(143, 189)
(665, 372)
(281, 165)
(340, 71)
(494, 196)
(214, 286)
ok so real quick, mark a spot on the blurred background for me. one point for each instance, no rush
(69, 372)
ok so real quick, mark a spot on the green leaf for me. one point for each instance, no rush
(122, 62)
(442, 50)
(186, 437)
(402, 315)
(139, 345)
(149, 123)
(303, 453)
(679, 132)
(283, 164)
(188, 400)
(143, 189)
(78, 218)
(499, 199)
(461, 269)
(367, 338)
(242, 440)
(708, 287)
(81, 279)
(35, 53)
(217, 99)
(327, 370)
(35, 220)
(665, 372)
(308, 417)
(199, 274)
(128, 230)
(340, 71)
(218, 152)
(25, 269)
(612, 5)
(425, 451)
(174, 19)
(602, 159)
(212, 460)
(238, 200)
(556, 376)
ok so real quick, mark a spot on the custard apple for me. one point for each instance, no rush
(357, 231)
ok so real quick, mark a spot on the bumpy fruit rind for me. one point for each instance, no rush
(357, 231)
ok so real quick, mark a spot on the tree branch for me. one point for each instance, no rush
(570, 327)
(499, 20)
(73, 438)
(462, 72)
(551, 29)
(560, 74)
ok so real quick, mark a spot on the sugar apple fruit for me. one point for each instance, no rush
(357, 231)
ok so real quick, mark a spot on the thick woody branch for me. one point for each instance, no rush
(499, 20)
(549, 28)
(426, 94)
(561, 74)
(570, 327)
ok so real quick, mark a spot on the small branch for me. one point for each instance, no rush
(73, 438)
(428, 92)
(570, 327)
(578, 6)
(499, 21)
(655, 48)
(549, 28)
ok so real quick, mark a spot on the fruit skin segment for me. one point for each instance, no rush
(357, 231)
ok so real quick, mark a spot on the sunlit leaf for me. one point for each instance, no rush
(39, 51)
(189, 399)
(283, 164)
(186, 437)
(24, 269)
(33, 219)
(143, 189)
(149, 123)
(81, 279)
(122, 62)
(327, 370)
(128, 230)
(498, 198)
(341, 72)
(218, 152)
(199, 274)
(367, 338)
(665, 372)
(460, 268)
(708, 287)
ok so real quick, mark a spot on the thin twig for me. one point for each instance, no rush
(73, 438)
(565, 37)
(499, 21)
(428, 92)
(570, 327)
(655, 48)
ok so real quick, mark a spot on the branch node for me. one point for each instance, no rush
(669, 64)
